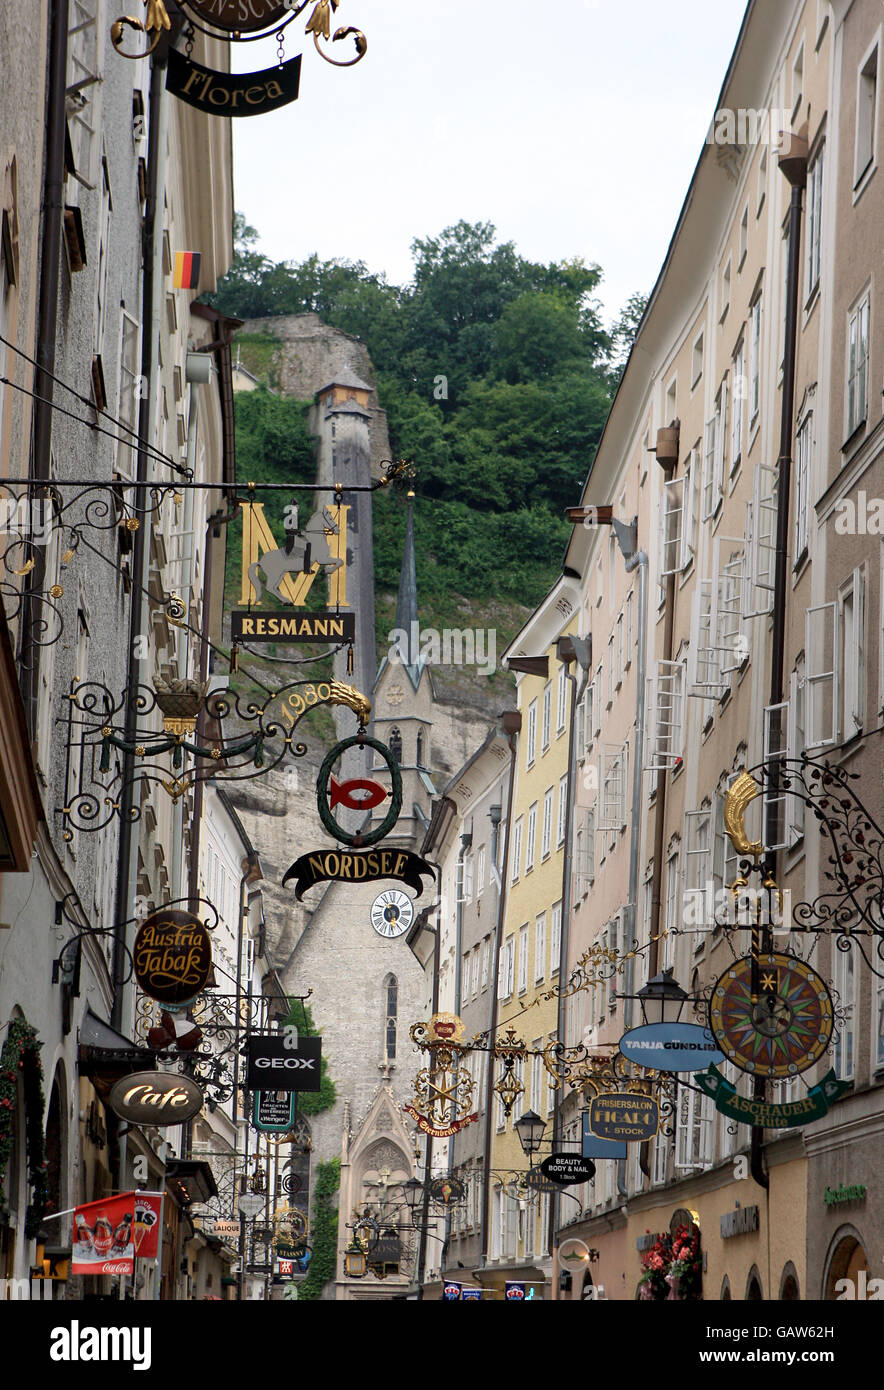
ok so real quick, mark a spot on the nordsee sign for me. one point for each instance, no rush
(671, 1047)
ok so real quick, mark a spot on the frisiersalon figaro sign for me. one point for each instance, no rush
(156, 1098)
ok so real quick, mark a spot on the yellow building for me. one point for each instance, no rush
(532, 948)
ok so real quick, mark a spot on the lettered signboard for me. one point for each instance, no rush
(272, 1066)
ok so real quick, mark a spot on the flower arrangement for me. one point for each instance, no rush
(672, 1267)
(20, 1057)
(655, 1263)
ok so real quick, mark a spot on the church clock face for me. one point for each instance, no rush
(784, 1029)
(392, 913)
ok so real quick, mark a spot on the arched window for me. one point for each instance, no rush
(391, 1013)
(419, 756)
(396, 744)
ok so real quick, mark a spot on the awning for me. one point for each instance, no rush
(190, 1180)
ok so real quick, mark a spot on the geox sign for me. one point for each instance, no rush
(272, 1066)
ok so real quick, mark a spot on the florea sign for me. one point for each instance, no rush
(229, 93)
(671, 1047)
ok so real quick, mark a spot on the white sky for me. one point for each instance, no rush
(573, 128)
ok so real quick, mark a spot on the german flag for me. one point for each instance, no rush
(187, 270)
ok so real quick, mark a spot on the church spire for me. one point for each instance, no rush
(406, 602)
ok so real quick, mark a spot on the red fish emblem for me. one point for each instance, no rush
(341, 793)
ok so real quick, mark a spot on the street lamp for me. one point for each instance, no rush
(355, 1263)
(530, 1129)
(414, 1191)
(662, 999)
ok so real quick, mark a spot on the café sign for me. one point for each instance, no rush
(272, 1065)
(172, 957)
(156, 1098)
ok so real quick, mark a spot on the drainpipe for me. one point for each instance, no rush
(47, 313)
(637, 561)
(127, 871)
(186, 588)
(793, 164)
(466, 842)
(568, 650)
(512, 723)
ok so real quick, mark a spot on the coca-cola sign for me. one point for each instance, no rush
(173, 956)
(156, 1098)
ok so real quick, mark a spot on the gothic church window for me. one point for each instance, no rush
(391, 1006)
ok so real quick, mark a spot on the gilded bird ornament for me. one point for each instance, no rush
(737, 798)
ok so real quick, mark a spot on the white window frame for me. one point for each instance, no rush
(562, 810)
(844, 981)
(857, 383)
(738, 396)
(546, 832)
(695, 1131)
(546, 717)
(555, 937)
(531, 735)
(665, 716)
(867, 108)
(755, 312)
(813, 222)
(507, 967)
(517, 850)
(561, 702)
(761, 543)
(531, 837)
(852, 703)
(613, 769)
(523, 958)
(803, 470)
(539, 947)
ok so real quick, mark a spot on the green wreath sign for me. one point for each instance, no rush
(21, 1055)
(325, 815)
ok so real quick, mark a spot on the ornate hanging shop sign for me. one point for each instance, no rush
(357, 866)
(274, 1065)
(239, 21)
(758, 1112)
(628, 1116)
(156, 1098)
(780, 1027)
(443, 1091)
(274, 1111)
(289, 570)
(172, 957)
(594, 1147)
(229, 93)
(671, 1047)
(567, 1169)
(330, 793)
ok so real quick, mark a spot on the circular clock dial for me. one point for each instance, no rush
(392, 913)
(784, 1029)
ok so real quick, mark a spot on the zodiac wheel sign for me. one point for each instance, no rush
(780, 1029)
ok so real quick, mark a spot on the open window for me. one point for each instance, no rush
(665, 716)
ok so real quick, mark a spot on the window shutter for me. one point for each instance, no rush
(761, 535)
(687, 546)
(671, 519)
(821, 657)
(709, 458)
(704, 659)
(776, 747)
(665, 726)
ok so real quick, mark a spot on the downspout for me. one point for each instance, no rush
(152, 242)
(47, 316)
(428, 1158)
(794, 166)
(251, 870)
(187, 588)
(639, 562)
(512, 723)
(568, 650)
(660, 794)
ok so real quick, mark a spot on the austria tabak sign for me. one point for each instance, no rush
(173, 957)
(357, 866)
